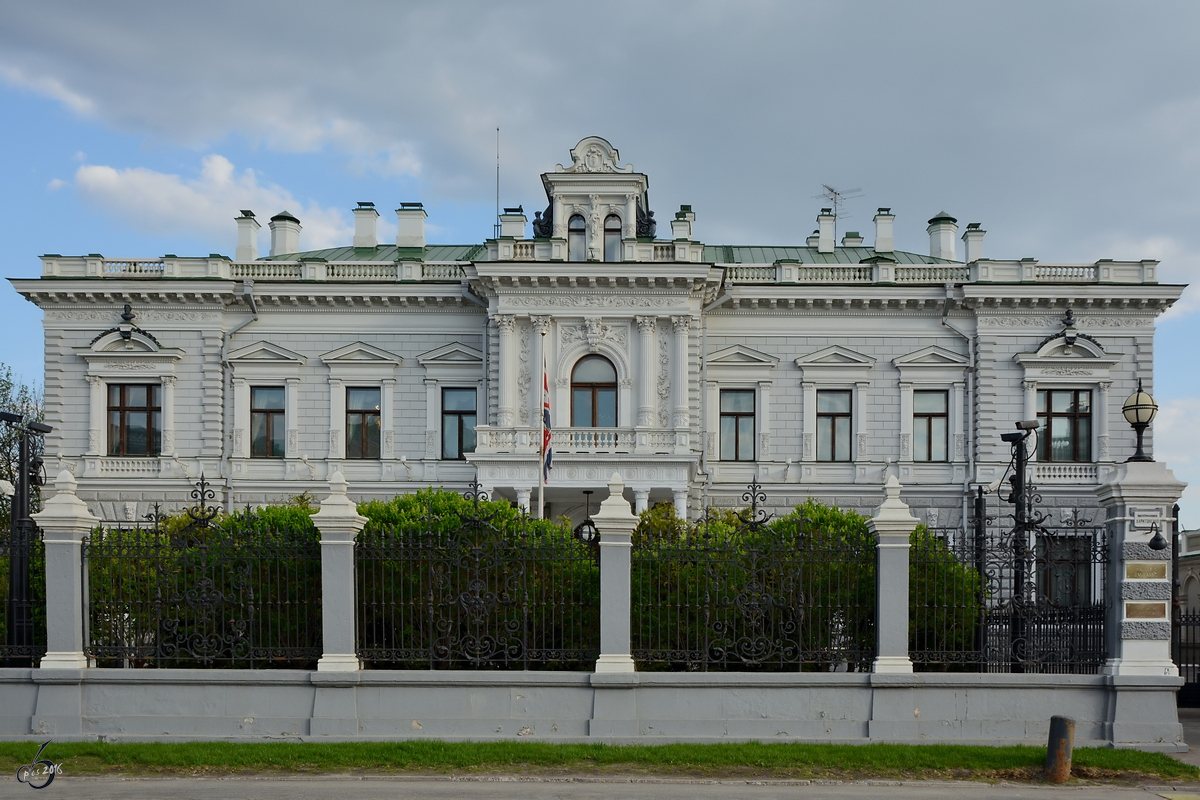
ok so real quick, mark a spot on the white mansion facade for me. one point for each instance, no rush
(690, 368)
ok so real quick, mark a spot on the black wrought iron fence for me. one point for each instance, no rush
(23, 622)
(991, 597)
(238, 592)
(1187, 657)
(743, 591)
(483, 587)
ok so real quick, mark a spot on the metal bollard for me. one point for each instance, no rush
(1059, 748)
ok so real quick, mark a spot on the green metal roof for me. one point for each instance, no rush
(388, 252)
(723, 254)
(755, 254)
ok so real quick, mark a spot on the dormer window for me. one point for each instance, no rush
(576, 239)
(612, 238)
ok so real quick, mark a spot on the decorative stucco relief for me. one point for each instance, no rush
(664, 381)
(592, 301)
(523, 379)
(1039, 321)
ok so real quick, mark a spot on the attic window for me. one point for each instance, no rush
(576, 239)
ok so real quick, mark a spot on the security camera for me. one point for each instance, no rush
(1011, 437)
(1028, 425)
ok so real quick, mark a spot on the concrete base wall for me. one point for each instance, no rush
(116, 705)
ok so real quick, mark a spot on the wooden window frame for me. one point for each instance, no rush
(1045, 415)
(152, 410)
(274, 417)
(364, 418)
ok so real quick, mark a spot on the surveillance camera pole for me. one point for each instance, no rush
(1020, 500)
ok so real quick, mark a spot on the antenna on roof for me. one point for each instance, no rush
(496, 227)
(836, 199)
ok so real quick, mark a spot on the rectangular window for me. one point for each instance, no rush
(833, 425)
(458, 422)
(737, 424)
(362, 423)
(930, 426)
(134, 419)
(1066, 424)
(267, 427)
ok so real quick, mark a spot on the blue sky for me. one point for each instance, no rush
(1068, 129)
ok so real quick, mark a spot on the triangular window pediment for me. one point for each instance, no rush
(266, 352)
(740, 355)
(835, 356)
(360, 352)
(932, 356)
(453, 354)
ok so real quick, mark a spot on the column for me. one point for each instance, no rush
(1137, 501)
(957, 423)
(64, 520)
(291, 414)
(240, 448)
(387, 419)
(1029, 412)
(892, 526)
(647, 382)
(641, 500)
(1100, 415)
(168, 416)
(906, 421)
(539, 328)
(809, 447)
(339, 523)
(861, 396)
(337, 418)
(523, 499)
(763, 423)
(96, 414)
(679, 416)
(680, 497)
(506, 324)
(615, 524)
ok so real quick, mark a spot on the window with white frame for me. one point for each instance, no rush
(833, 424)
(268, 427)
(576, 239)
(737, 424)
(836, 385)
(931, 425)
(363, 422)
(1065, 433)
(362, 386)
(458, 422)
(266, 382)
(134, 419)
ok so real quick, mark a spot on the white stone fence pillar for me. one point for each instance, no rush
(64, 520)
(339, 523)
(892, 526)
(615, 523)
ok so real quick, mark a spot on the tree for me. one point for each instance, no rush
(26, 400)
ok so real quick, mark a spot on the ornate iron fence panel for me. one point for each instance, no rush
(989, 597)
(743, 591)
(23, 552)
(1187, 657)
(477, 592)
(233, 593)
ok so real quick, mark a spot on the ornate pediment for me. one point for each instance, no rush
(594, 154)
(453, 354)
(932, 356)
(359, 352)
(740, 355)
(266, 352)
(835, 356)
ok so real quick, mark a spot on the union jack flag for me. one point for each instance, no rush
(547, 451)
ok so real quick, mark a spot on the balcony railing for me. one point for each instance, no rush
(1065, 473)
(134, 269)
(574, 440)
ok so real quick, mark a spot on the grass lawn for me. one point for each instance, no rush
(753, 759)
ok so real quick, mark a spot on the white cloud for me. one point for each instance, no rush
(51, 87)
(1177, 442)
(55, 184)
(206, 205)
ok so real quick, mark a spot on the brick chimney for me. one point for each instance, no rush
(285, 234)
(247, 245)
(885, 241)
(941, 230)
(365, 217)
(410, 225)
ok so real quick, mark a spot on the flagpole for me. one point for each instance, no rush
(542, 436)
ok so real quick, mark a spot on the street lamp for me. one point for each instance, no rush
(22, 533)
(586, 531)
(1139, 411)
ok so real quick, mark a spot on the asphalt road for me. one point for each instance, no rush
(403, 789)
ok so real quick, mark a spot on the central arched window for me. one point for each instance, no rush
(612, 238)
(576, 239)
(594, 393)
